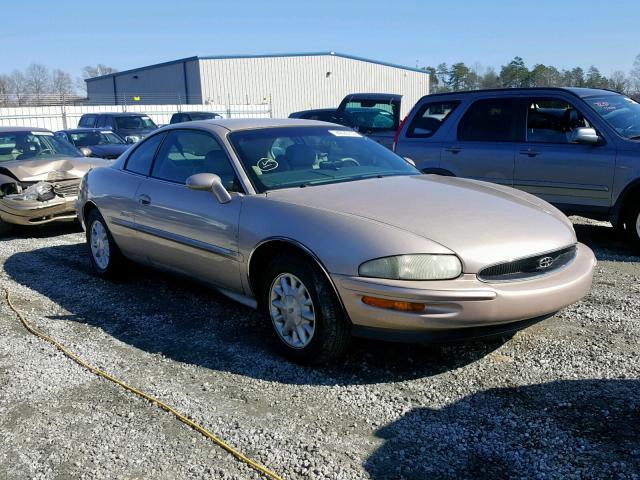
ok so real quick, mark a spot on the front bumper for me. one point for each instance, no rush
(34, 212)
(463, 303)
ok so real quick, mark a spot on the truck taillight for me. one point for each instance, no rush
(397, 135)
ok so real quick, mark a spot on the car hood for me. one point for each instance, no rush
(108, 150)
(40, 169)
(482, 223)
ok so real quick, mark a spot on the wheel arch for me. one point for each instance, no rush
(267, 248)
(625, 201)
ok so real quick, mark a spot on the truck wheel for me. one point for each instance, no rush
(303, 310)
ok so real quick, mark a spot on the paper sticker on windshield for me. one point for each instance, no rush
(344, 133)
(48, 134)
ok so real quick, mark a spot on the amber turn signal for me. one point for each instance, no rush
(395, 304)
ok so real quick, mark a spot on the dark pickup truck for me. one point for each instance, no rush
(376, 115)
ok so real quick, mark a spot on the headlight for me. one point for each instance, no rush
(132, 138)
(413, 267)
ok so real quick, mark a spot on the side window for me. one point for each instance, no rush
(371, 115)
(551, 120)
(491, 120)
(430, 118)
(87, 121)
(104, 121)
(188, 152)
(141, 158)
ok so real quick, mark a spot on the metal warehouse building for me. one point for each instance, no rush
(289, 82)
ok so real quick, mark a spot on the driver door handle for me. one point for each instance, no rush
(529, 152)
(144, 199)
(454, 149)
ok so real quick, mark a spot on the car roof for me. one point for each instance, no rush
(235, 124)
(22, 129)
(384, 96)
(196, 111)
(577, 91)
(87, 130)
(119, 114)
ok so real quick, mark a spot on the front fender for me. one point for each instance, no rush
(340, 241)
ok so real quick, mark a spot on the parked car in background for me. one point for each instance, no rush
(376, 115)
(129, 125)
(193, 116)
(322, 114)
(576, 148)
(39, 177)
(93, 142)
(337, 236)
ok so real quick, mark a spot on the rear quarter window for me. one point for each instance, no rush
(430, 117)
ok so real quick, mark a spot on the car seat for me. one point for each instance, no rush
(299, 156)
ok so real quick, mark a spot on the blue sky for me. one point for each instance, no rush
(127, 34)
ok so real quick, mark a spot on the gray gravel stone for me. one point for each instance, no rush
(560, 399)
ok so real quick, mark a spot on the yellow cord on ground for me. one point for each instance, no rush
(265, 471)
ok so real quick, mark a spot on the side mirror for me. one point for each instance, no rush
(584, 135)
(131, 139)
(86, 151)
(210, 182)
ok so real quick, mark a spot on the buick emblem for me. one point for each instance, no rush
(545, 262)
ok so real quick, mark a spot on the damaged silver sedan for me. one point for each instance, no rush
(39, 177)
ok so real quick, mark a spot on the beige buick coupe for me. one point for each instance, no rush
(330, 234)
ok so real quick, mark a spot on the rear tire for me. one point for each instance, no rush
(632, 224)
(303, 310)
(105, 256)
(5, 228)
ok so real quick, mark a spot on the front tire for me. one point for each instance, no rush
(304, 312)
(632, 224)
(104, 254)
(5, 228)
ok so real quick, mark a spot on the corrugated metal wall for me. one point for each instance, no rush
(157, 85)
(288, 83)
(304, 82)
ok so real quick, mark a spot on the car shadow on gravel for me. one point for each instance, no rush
(606, 242)
(562, 429)
(190, 323)
(50, 230)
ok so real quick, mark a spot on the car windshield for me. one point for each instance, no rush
(288, 157)
(132, 122)
(89, 139)
(620, 112)
(34, 145)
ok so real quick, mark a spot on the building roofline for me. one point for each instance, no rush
(140, 69)
(274, 55)
(314, 54)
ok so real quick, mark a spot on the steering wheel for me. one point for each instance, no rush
(45, 150)
(349, 160)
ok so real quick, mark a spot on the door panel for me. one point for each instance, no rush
(486, 139)
(190, 232)
(563, 173)
(490, 162)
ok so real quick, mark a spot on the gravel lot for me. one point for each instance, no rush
(560, 399)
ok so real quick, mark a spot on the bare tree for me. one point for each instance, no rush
(19, 88)
(619, 82)
(38, 81)
(98, 70)
(5, 90)
(634, 76)
(61, 84)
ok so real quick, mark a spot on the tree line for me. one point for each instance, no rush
(445, 78)
(38, 85)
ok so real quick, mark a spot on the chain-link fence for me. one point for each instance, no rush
(59, 113)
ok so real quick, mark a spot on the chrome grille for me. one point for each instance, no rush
(529, 267)
(66, 188)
